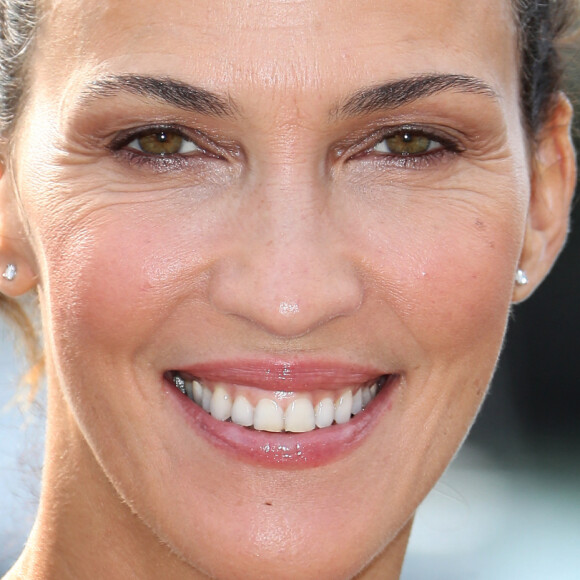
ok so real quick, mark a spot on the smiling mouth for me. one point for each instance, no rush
(277, 411)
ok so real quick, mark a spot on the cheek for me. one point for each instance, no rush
(465, 281)
(125, 275)
(448, 272)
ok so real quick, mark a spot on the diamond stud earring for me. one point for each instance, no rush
(521, 277)
(10, 272)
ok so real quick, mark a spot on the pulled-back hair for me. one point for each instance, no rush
(18, 21)
(542, 25)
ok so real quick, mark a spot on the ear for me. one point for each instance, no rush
(17, 265)
(552, 188)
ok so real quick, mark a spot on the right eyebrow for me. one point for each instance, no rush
(165, 89)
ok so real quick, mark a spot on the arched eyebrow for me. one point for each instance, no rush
(165, 89)
(397, 93)
(390, 95)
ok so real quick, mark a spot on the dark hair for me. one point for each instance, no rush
(542, 25)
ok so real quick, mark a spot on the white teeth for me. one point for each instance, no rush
(243, 412)
(366, 396)
(325, 413)
(197, 392)
(343, 408)
(268, 416)
(221, 404)
(299, 416)
(357, 402)
(206, 399)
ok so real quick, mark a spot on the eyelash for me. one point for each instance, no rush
(446, 147)
(119, 147)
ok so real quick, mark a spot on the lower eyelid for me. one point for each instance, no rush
(428, 160)
(157, 163)
(196, 159)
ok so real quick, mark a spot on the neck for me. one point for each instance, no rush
(84, 529)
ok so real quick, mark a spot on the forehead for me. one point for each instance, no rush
(253, 48)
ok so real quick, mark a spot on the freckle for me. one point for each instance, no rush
(492, 244)
(268, 503)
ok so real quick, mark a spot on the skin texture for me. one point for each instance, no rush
(405, 265)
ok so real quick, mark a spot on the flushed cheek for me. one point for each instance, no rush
(467, 288)
(449, 281)
(127, 275)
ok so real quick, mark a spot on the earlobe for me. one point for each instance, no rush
(17, 270)
(16, 279)
(552, 189)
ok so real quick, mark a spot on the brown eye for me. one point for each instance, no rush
(163, 143)
(406, 143)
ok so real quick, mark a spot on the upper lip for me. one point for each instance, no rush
(282, 375)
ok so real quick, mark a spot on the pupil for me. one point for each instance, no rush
(407, 137)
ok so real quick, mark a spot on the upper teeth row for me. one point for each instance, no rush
(268, 414)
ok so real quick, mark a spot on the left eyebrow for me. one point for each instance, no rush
(401, 92)
(165, 89)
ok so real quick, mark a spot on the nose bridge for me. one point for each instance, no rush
(285, 270)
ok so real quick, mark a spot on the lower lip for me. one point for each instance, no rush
(285, 450)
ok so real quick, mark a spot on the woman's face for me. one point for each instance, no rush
(289, 201)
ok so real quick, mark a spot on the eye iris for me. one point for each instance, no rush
(161, 143)
(408, 144)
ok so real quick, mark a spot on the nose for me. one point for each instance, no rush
(288, 269)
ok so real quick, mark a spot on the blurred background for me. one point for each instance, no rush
(507, 508)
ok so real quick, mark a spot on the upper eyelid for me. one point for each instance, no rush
(354, 149)
(363, 142)
(363, 149)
